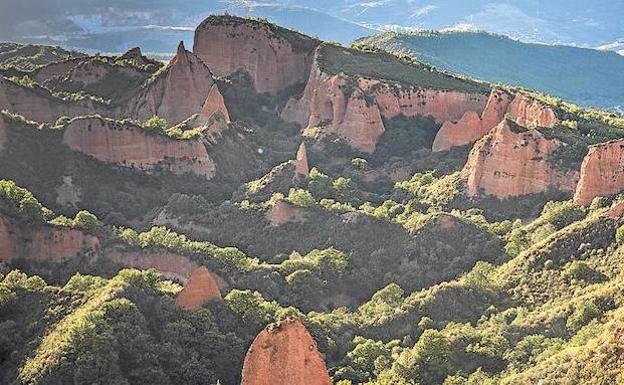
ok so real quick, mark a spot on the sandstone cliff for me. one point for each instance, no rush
(201, 288)
(511, 161)
(520, 108)
(301, 162)
(284, 355)
(39, 104)
(602, 172)
(354, 108)
(183, 88)
(473, 126)
(275, 58)
(284, 212)
(42, 243)
(128, 145)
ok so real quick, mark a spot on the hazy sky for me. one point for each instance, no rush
(158, 24)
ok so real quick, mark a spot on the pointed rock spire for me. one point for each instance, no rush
(201, 288)
(181, 50)
(284, 354)
(301, 167)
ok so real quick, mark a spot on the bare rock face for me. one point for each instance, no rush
(42, 243)
(54, 70)
(602, 172)
(8, 240)
(355, 109)
(520, 108)
(284, 212)
(529, 112)
(301, 163)
(284, 355)
(183, 88)
(512, 161)
(471, 127)
(200, 289)
(274, 58)
(128, 145)
(172, 266)
(37, 103)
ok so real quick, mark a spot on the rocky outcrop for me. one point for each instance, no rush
(183, 88)
(128, 145)
(520, 108)
(284, 354)
(602, 172)
(529, 112)
(472, 126)
(284, 212)
(43, 243)
(54, 70)
(8, 240)
(275, 58)
(173, 266)
(131, 54)
(201, 288)
(38, 104)
(301, 162)
(512, 161)
(354, 109)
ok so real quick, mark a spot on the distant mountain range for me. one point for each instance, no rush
(585, 76)
(157, 25)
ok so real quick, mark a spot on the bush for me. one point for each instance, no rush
(86, 221)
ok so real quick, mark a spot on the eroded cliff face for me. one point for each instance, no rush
(54, 70)
(284, 355)
(520, 108)
(354, 109)
(128, 145)
(284, 212)
(43, 243)
(512, 161)
(301, 162)
(38, 104)
(529, 112)
(201, 288)
(275, 58)
(602, 172)
(183, 88)
(472, 126)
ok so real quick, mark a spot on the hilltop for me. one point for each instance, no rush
(583, 76)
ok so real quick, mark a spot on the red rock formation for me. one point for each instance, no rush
(172, 266)
(54, 70)
(42, 243)
(284, 212)
(511, 161)
(200, 289)
(284, 355)
(355, 111)
(301, 164)
(602, 172)
(395, 99)
(128, 145)
(529, 112)
(8, 240)
(274, 57)
(39, 104)
(55, 244)
(183, 88)
(471, 127)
